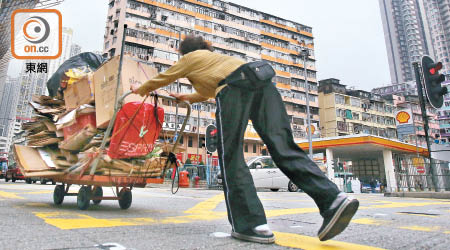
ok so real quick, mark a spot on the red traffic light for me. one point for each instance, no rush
(435, 68)
(213, 132)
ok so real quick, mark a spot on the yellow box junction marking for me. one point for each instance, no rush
(368, 221)
(423, 229)
(203, 211)
(313, 243)
(10, 195)
(423, 215)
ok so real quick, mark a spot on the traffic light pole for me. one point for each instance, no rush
(425, 123)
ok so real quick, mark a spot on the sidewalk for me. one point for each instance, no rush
(432, 195)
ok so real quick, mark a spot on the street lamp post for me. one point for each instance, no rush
(305, 54)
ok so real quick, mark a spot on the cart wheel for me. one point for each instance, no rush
(83, 197)
(125, 198)
(98, 192)
(58, 195)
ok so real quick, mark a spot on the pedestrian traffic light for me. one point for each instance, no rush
(341, 167)
(432, 81)
(211, 138)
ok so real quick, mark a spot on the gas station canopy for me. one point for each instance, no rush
(355, 146)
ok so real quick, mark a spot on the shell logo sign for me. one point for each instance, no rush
(313, 129)
(402, 117)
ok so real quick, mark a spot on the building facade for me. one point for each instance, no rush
(9, 94)
(344, 111)
(438, 18)
(233, 30)
(407, 88)
(75, 50)
(444, 118)
(53, 65)
(411, 103)
(405, 36)
(412, 29)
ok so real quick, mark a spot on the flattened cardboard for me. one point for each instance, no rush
(80, 92)
(105, 81)
(29, 159)
(79, 140)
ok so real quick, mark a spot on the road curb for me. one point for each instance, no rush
(432, 195)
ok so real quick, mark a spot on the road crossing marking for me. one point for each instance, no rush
(417, 214)
(39, 192)
(205, 211)
(369, 221)
(10, 195)
(421, 228)
(313, 243)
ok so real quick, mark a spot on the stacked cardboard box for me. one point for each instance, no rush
(65, 135)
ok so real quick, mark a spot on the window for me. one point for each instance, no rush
(246, 147)
(254, 148)
(190, 143)
(340, 99)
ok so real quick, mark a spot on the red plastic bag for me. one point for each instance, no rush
(135, 136)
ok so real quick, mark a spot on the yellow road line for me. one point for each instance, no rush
(203, 211)
(206, 206)
(10, 195)
(280, 212)
(423, 215)
(313, 243)
(420, 228)
(39, 192)
(368, 221)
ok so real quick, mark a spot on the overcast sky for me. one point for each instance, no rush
(348, 34)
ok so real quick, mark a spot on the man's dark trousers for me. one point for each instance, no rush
(265, 108)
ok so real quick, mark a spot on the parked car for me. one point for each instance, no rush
(266, 174)
(43, 181)
(13, 173)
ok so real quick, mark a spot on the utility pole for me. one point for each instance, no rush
(305, 54)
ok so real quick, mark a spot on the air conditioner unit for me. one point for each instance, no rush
(137, 25)
(171, 125)
(165, 125)
(145, 26)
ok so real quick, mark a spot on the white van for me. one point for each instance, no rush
(267, 175)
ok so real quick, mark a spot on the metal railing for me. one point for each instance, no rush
(417, 176)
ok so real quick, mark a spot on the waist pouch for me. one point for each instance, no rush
(253, 75)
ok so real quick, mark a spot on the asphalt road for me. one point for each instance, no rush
(196, 219)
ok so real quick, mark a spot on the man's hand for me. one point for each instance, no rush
(135, 87)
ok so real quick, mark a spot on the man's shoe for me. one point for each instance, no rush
(260, 234)
(338, 216)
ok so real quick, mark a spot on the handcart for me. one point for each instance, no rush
(91, 184)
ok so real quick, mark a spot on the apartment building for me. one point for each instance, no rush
(438, 17)
(406, 88)
(233, 30)
(345, 111)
